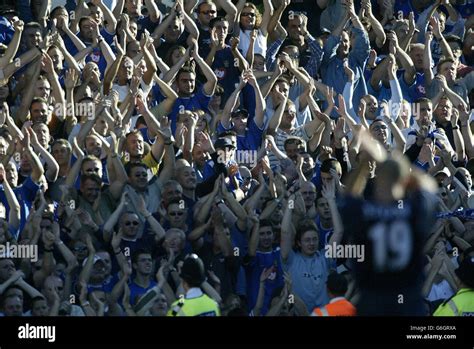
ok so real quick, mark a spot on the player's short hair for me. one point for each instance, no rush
(213, 21)
(138, 252)
(133, 164)
(423, 100)
(337, 284)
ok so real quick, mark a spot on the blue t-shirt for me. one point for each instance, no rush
(324, 234)
(6, 31)
(226, 72)
(252, 139)
(137, 291)
(95, 56)
(209, 171)
(414, 91)
(107, 286)
(25, 194)
(197, 101)
(263, 260)
(157, 96)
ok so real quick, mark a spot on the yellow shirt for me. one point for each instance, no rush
(461, 304)
(196, 303)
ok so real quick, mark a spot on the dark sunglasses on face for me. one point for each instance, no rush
(248, 14)
(129, 223)
(174, 214)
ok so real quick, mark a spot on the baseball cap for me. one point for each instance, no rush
(223, 142)
(97, 258)
(465, 271)
(445, 170)
(325, 31)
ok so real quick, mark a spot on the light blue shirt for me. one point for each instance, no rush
(309, 276)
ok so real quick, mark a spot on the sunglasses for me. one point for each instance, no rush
(94, 169)
(129, 223)
(210, 12)
(174, 214)
(248, 14)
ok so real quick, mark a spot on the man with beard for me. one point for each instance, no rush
(142, 264)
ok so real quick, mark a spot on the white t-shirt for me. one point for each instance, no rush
(260, 45)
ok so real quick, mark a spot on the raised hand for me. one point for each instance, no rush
(347, 70)
(340, 129)
(329, 190)
(341, 109)
(18, 25)
(47, 64)
(165, 129)
(71, 78)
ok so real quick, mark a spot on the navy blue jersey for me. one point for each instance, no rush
(227, 73)
(393, 237)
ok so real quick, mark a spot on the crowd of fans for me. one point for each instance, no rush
(135, 135)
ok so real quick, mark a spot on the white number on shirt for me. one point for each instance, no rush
(392, 246)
